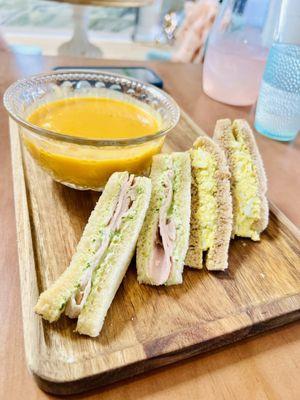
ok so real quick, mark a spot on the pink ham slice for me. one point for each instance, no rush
(161, 262)
(122, 205)
(78, 299)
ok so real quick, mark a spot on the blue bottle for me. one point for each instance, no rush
(278, 106)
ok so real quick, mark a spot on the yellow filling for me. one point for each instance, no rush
(205, 167)
(244, 189)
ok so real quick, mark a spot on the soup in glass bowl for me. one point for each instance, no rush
(81, 126)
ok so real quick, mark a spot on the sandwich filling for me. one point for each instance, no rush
(244, 188)
(204, 167)
(125, 200)
(161, 262)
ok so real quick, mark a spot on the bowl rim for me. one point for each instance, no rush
(81, 140)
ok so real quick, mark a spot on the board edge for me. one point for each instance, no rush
(33, 362)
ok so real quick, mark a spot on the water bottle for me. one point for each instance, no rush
(278, 106)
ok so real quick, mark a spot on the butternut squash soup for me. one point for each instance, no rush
(84, 166)
(95, 118)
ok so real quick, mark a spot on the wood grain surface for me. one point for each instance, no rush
(266, 367)
(146, 327)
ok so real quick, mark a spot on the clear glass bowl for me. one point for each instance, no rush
(83, 163)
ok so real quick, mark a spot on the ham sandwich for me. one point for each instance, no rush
(87, 287)
(163, 241)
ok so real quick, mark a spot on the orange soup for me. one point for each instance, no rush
(83, 166)
(95, 118)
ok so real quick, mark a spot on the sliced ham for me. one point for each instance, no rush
(161, 263)
(122, 205)
(78, 299)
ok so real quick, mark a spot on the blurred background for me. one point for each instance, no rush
(250, 49)
(133, 29)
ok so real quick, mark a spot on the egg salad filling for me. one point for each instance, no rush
(244, 189)
(205, 167)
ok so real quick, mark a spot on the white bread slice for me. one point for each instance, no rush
(217, 253)
(51, 303)
(109, 275)
(225, 132)
(180, 163)
(161, 163)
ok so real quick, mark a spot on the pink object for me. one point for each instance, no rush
(161, 262)
(232, 72)
(236, 52)
(194, 31)
(3, 44)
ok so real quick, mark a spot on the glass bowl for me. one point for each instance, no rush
(79, 162)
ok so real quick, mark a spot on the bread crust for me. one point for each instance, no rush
(180, 163)
(194, 256)
(217, 255)
(91, 318)
(160, 162)
(50, 302)
(182, 213)
(244, 128)
(222, 135)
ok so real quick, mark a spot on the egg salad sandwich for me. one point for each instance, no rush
(164, 238)
(211, 218)
(87, 287)
(248, 178)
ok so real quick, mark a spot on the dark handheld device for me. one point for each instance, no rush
(144, 74)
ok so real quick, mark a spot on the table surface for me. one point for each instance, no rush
(265, 367)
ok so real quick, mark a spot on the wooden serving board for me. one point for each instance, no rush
(146, 327)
